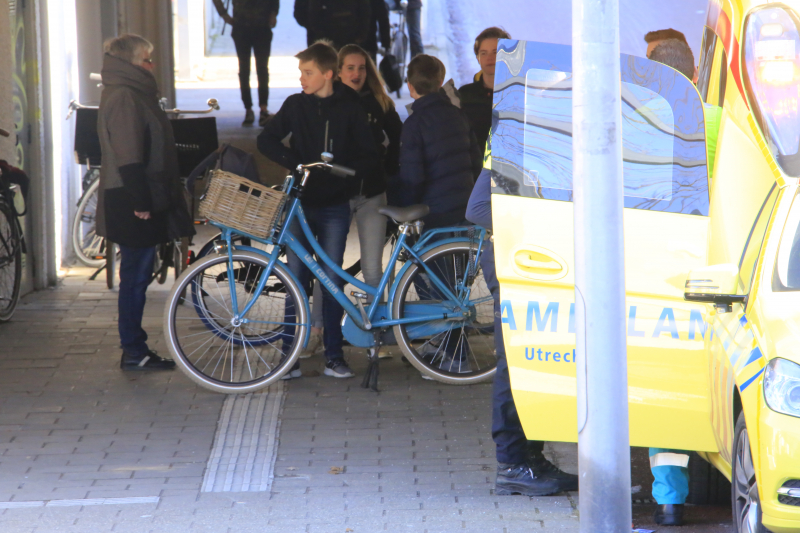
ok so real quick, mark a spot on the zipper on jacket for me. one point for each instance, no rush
(325, 144)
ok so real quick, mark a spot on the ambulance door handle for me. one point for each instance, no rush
(537, 262)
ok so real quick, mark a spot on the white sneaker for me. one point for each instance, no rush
(314, 345)
(292, 374)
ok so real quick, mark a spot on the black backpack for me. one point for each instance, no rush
(341, 21)
(390, 70)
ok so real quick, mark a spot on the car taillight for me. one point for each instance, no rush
(772, 70)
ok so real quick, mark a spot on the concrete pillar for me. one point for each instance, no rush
(152, 19)
(90, 47)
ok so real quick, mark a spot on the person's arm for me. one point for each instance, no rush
(393, 127)
(301, 12)
(126, 134)
(270, 143)
(275, 7)
(475, 154)
(479, 208)
(223, 12)
(412, 178)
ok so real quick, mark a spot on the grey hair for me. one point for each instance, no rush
(129, 46)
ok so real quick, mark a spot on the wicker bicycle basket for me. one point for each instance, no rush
(241, 204)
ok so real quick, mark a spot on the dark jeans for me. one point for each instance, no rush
(259, 40)
(330, 226)
(413, 21)
(509, 438)
(135, 274)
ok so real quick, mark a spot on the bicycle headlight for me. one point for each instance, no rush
(782, 386)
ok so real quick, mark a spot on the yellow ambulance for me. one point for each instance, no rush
(712, 260)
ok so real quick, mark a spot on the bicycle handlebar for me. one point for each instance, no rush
(336, 170)
(212, 103)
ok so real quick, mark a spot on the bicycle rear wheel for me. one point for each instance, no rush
(10, 262)
(217, 350)
(458, 349)
(86, 243)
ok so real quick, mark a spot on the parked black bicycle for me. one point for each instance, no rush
(12, 240)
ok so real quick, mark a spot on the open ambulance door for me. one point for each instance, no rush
(665, 223)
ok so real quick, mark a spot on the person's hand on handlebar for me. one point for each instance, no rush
(144, 215)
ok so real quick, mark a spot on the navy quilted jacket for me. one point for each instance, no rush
(439, 160)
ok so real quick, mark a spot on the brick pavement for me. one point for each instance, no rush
(86, 448)
(416, 457)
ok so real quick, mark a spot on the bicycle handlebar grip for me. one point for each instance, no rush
(339, 170)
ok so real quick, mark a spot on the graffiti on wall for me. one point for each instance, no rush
(19, 77)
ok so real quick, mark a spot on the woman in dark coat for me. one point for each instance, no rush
(140, 202)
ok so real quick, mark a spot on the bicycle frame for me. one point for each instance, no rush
(285, 237)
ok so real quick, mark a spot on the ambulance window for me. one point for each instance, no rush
(663, 132)
(706, 62)
(786, 275)
(752, 247)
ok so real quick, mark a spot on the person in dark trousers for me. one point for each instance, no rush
(476, 97)
(414, 25)
(378, 25)
(521, 466)
(252, 24)
(439, 156)
(326, 117)
(140, 203)
(339, 21)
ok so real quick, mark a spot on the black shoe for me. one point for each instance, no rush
(148, 361)
(263, 118)
(249, 118)
(521, 479)
(669, 514)
(544, 468)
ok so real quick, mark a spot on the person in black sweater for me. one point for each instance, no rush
(439, 156)
(326, 117)
(358, 71)
(476, 97)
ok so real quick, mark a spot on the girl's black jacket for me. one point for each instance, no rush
(381, 121)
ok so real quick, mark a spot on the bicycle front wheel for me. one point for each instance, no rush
(86, 243)
(10, 262)
(457, 346)
(221, 351)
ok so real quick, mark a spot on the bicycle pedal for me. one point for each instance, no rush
(359, 295)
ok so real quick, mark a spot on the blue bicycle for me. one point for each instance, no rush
(237, 319)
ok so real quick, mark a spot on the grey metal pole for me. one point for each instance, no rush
(603, 443)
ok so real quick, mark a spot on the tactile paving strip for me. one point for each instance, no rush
(245, 445)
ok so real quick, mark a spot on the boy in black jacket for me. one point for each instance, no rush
(439, 156)
(326, 117)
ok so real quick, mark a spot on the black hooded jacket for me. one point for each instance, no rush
(382, 123)
(336, 124)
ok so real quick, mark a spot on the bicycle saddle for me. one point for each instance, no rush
(405, 214)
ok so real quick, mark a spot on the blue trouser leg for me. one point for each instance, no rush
(507, 433)
(414, 22)
(670, 475)
(330, 226)
(135, 274)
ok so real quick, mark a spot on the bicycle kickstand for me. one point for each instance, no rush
(373, 370)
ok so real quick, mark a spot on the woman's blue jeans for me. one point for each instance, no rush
(135, 274)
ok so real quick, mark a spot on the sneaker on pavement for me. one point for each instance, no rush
(337, 368)
(314, 345)
(293, 373)
(148, 361)
(521, 479)
(544, 468)
(249, 118)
